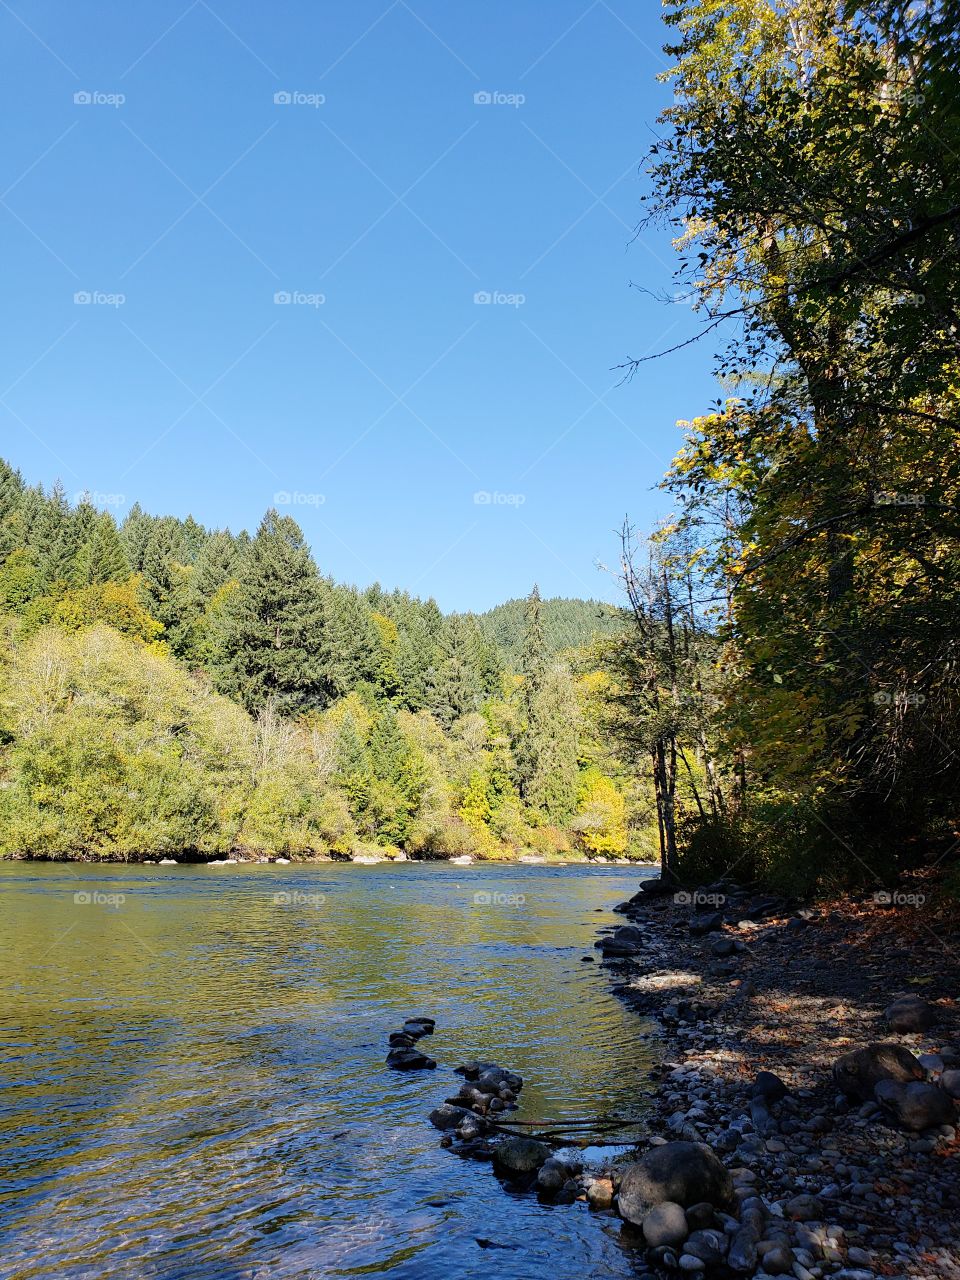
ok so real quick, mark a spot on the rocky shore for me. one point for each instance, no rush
(811, 1086)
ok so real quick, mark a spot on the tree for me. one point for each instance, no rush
(272, 644)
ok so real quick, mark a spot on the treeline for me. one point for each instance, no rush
(168, 687)
(808, 169)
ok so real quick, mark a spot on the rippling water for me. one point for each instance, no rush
(193, 1079)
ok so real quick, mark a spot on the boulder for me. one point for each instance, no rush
(916, 1106)
(858, 1073)
(552, 1176)
(520, 1158)
(683, 1173)
(908, 1014)
(665, 1224)
(951, 1082)
(742, 1254)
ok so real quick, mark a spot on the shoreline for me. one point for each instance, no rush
(837, 1187)
(234, 859)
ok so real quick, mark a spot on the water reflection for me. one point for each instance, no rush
(193, 1078)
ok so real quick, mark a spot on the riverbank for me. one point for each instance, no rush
(830, 1183)
(370, 858)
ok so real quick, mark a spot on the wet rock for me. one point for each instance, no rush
(684, 1173)
(418, 1027)
(909, 1013)
(519, 1158)
(448, 1117)
(401, 1040)
(858, 1073)
(409, 1060)
(552, 1176)
(664, 1224)
(916, 1106)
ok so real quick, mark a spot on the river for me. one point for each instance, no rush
(192, 1078)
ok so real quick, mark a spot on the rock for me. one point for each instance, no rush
(700, 1216)
(858, 1073)
(519, 1158)
(909, 1013)
(742, 1254)
(409, 1060)
(449, 1116)
(951, 1082)
(552, 1176)
(417, 1027)
(401, 1040)
(683, 1173)
(778, 1261)
(803, 1208)
(916, 1106)
(167, 862)
(709, 923)
(723, 947)
(664, 1224)
(690, 1264)
(769, 1087)
(709, 1246)
(600, 1193)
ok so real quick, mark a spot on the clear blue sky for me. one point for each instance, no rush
(384, 409)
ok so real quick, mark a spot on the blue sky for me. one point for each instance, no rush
(381, 165)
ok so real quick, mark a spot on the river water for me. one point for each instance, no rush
(192, 1078)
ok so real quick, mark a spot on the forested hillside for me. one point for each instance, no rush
(567, 624)
(170, 687)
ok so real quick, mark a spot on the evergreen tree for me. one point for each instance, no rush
(552, 746)
(100, 557)
(272, 643)
(533, 659)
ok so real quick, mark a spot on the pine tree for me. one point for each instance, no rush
(533, 658)
(271, 648)
(552, 738)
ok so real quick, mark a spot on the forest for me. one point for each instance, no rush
(170, 688)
